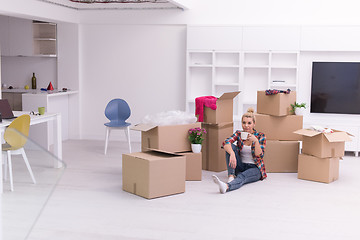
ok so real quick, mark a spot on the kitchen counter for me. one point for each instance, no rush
(37, 91)
(54, 102)
(17, 90)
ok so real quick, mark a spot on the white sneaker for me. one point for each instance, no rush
(230, 179)
(222, 185)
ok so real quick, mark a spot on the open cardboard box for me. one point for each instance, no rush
(275, 105)
(153, 174)
(323, 145)
(224, 110)
(170, 138)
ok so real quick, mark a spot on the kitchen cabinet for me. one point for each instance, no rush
(4, 36)
(20, 35)
(23, 37)
(44, 34)
(15, 100)
(274, 38)
(225, 38)
(330, 38)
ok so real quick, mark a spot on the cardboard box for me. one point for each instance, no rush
(224, 110)
(193, 166)
(312, 168)
(279, 128)
(213, 156)
(281, 156)
(153, 174)
(171, 138)
(275, 105)
(323, 145)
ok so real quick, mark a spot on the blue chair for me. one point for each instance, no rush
(117, 111)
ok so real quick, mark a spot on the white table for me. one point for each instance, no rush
(36, 119)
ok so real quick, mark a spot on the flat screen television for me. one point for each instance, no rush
(335, 87)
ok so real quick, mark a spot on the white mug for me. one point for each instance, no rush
(244, 135)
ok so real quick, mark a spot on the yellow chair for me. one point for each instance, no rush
(16, 135)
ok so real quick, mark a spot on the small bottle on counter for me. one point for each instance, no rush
(33, 81)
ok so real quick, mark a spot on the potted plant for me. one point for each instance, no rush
(196, 137)
(298, 108)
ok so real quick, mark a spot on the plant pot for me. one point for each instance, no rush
(196, 148)
(299, 111)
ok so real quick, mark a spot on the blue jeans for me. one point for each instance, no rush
(244, 172)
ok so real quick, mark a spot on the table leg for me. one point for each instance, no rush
(1, 163)
(58, 141)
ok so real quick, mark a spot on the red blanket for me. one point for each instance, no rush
(200, 102)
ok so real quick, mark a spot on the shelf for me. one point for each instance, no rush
(227, 84)
(44, 36)
(226, 75)
(284, 67)
(218, 72)
(45, 55)
(259, 66)
(282, 85)
(284, 58)
(256, 58)
(227, 58)
(45, 39)
(200, 66)
(200, 58)
(227, 66)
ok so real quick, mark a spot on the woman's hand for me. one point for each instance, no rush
(252, 138)
(232, 161)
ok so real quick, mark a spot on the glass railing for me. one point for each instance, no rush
(21, 208)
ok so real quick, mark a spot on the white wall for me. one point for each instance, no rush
(145, 65)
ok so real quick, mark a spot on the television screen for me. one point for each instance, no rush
(335, 87)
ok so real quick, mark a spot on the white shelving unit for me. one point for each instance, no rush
(214, 72)
(44, 36)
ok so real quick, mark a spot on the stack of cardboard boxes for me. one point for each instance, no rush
(321, 153)
(219, 126)
(274, 118)
(165, 163)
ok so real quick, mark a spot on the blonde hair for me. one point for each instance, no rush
(249, 114)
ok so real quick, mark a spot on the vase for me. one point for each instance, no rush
(196, 148)
(299, 111)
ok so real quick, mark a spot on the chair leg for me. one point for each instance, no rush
(28, 165)
(5, 169)
(107, 135)
(127, 133)
(10, 171)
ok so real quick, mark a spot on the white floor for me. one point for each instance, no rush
(89, 204)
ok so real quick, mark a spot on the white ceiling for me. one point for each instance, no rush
(118, 4)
